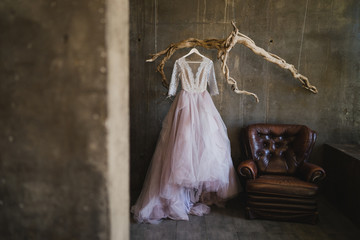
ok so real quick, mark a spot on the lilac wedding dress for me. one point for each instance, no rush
(191, 167)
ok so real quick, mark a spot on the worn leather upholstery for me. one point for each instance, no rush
(280, 184)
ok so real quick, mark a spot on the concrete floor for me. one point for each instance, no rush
(230, 223)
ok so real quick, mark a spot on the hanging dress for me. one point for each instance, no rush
(192, 166)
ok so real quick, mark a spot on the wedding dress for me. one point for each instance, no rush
(191, 167)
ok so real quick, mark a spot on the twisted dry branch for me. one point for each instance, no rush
(224, 46)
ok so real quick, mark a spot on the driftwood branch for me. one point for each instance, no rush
(224, 46)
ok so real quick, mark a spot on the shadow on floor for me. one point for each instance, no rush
(230, 223)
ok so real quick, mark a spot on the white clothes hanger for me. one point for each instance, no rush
(194, 50)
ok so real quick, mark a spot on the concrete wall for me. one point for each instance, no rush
(118, 127)
(321, 38)
(53, 158)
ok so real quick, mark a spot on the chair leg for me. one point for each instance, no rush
(310, 218)
(249, 214)
(316, 218)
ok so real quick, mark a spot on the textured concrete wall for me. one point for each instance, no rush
(321, 38)
(52, 120)
(117, 35)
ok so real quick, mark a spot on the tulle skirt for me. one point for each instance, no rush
(191, 167)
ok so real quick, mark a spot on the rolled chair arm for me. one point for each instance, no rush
(248, 169)
(312, 173)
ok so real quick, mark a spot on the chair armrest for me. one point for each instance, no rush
(248, 169)
(312, 173)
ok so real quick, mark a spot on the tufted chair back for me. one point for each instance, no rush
(278, 149)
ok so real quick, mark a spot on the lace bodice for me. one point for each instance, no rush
(195, 76)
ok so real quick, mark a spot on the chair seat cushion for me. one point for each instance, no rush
(281, 186)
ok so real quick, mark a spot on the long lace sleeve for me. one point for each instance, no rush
(174, 82)
(213, 88)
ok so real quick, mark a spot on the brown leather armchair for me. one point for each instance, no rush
(280, 183)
